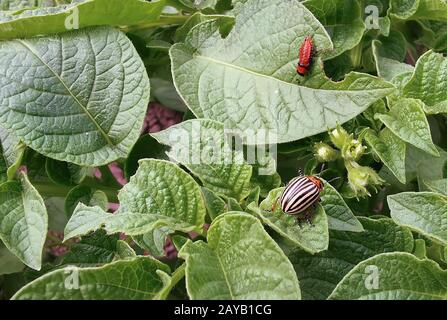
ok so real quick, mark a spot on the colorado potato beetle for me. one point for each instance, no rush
(299, 195)
(306, 55)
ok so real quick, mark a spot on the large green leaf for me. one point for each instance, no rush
(162, 188)
(150, 230)
(398, 275)
(141, 278)
(320, 273)
(248, 80)
(78, 14)
(23, 221)
(407, 120)
(160, 194)
(79, 97)
(429, 82)
(423, 212)
(240, 261)
(339, 215)
(390, 149)
(312, 238)
(205, 149)
(342, 20)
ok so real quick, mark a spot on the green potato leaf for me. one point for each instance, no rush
(120, 280)
(312, 238)
(339, 215)
(23, 221)
(240, 261)
(160, 194)
(76, 15)
(319, 274)
(89, 103)
(393, 276)
(423, 212)
(248, 79)
(204, 148)
(428, 83)
(390, 149)
(407, 121)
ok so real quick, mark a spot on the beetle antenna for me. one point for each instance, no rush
(333, 179)
(322, 167)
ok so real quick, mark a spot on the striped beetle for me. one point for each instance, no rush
(299, 195)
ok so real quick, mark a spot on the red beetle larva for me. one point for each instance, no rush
(306, 56)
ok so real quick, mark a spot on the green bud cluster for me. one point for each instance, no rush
(350, 150)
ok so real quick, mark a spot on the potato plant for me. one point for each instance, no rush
(145, 147)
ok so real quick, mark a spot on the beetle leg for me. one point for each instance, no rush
(308, 215)
(299, 220)
(309, 221)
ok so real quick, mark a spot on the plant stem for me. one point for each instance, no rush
(162, 21)
(356, 55)
(356, 52)
(49, 189)
(178, 275)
